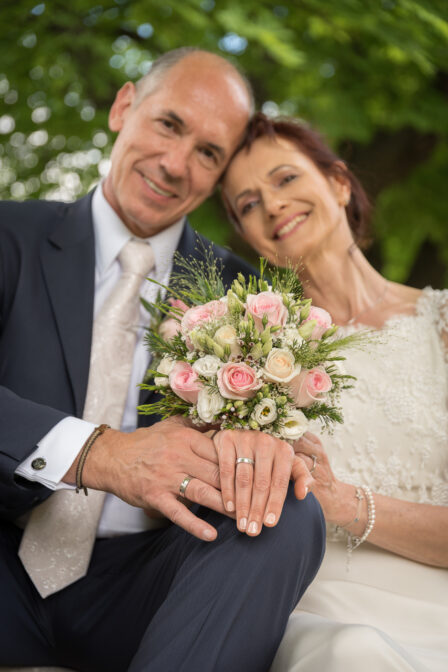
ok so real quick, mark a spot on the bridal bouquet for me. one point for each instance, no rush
(259, 356)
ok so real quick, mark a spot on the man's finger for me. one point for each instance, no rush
(205, 495)
(179, 514)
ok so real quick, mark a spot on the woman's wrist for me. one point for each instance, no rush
(351, 513)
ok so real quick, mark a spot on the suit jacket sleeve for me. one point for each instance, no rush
(35, 393)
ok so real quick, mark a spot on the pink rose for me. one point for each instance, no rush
(269, 304)
(310, 386)
(169, 328)
(237, 381)
(184, 382)
(323, 322)
(198, 315)
(179, 304)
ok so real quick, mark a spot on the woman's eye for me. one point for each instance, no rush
(248, 207)
(287, 178)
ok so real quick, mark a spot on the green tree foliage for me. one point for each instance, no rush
(372, 75)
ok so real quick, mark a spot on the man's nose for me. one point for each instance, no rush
(175, 160)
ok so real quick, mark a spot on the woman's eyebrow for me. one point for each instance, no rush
(271, 172)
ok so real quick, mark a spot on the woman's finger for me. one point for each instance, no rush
(226, 452)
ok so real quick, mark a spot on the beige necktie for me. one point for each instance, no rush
(59, 537)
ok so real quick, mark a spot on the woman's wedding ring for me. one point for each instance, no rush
(245, 460)
(183, 485)
(314, 463)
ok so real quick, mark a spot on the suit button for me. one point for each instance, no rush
(39, 463)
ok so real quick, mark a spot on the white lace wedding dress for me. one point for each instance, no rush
(386, 613)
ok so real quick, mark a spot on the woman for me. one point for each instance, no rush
(381, 604)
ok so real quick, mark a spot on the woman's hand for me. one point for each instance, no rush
(337, 499)
(255, 470)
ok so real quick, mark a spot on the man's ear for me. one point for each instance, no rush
(341, 183)
(121, 106)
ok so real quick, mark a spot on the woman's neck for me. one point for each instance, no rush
(340, 279)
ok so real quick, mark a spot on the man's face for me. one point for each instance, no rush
(174, 144)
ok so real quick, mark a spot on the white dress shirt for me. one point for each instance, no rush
(63, 442)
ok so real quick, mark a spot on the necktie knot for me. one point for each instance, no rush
(136, 257)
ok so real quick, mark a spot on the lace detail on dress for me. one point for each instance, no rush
(395, 434)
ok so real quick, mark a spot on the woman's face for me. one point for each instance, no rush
(287, 209)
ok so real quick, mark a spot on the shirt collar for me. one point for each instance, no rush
(111, 235)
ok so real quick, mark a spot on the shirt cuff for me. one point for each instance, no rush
(55, 453)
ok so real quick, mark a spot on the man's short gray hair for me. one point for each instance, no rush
(159, 68)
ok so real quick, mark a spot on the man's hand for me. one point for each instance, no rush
(257, 492)
(146, 468)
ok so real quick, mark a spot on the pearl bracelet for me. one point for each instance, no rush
(354, 542)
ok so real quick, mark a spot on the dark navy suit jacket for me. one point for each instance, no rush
(47, 269)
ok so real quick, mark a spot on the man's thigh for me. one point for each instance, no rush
(25, 630)
(96, 623)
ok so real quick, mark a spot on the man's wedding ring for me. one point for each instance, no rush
(245, 460)
(314, 463)
(183, 485)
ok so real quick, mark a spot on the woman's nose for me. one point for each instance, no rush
(274, 205)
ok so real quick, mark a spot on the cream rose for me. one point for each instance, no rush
(237, 381)
(267, 304)
(209, 404)
(280, 366)
(265, 412)
(226, 335)
(207, 366)
(294, 425)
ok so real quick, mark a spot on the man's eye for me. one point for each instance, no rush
(208, 154)
(166, 123)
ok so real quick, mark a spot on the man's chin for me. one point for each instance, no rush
(150, 226)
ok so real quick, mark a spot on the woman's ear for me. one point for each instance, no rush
(121, 106)
(341, 184)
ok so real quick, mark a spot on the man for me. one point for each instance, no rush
(150, 599)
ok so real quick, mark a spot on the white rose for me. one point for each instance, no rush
(207, 366)
(161, 380)
(291, 335)
(164, 367)
(209, 404)
(264, 412)
(226, 335)
(294, 425)
(280, 366)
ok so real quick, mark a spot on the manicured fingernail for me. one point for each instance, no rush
(306, 490)
(253, 528)
(270, 519)
(230, 506)
(243, 523)
(208, 534)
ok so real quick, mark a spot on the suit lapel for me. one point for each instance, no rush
(68, 264)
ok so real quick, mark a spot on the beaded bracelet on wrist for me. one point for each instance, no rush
(354, 542)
